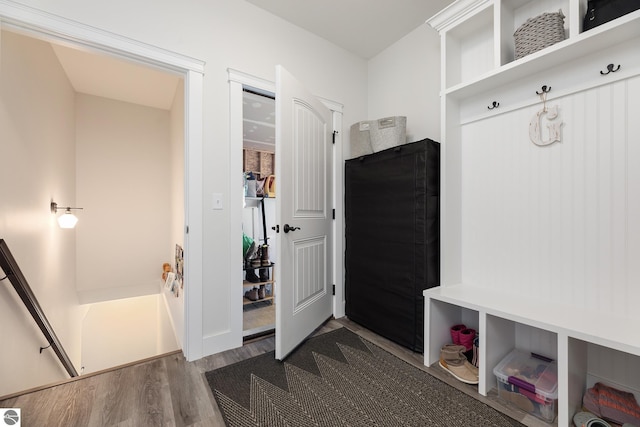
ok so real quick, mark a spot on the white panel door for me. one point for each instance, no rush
(303, 201)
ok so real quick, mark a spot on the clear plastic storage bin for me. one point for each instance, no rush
(530, 382)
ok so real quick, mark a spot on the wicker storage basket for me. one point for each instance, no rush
(539, 32)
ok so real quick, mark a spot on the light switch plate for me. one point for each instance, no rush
(217, 201)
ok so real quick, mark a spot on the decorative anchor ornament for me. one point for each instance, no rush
(551, 113)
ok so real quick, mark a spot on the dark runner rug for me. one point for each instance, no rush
(340, 379)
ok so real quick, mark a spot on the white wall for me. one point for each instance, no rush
(175, 305)
(226, 33)
(231, 34)
(123, 331)
(37, 156)
(123, 173)
(404, 80)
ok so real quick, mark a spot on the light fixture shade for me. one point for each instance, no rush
(67, 220)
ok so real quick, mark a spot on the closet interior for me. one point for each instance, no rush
(258, 217)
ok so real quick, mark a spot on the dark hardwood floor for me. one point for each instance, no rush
(169, 391)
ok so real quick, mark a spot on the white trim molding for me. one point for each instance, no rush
(45, 26)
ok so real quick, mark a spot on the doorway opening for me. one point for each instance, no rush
(44, 28)
(258, 213)
(299, 243)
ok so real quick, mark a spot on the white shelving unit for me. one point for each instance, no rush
(540, 244)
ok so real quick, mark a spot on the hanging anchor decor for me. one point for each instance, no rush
(551, 113)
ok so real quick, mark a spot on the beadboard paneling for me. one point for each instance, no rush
(560, 221)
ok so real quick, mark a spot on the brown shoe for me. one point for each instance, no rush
(453, 360)
(252, 295)
(264, 258)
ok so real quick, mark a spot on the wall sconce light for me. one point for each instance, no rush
(67, 219)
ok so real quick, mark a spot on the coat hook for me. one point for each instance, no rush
(610, 69)
(545, 89)
(495, 104)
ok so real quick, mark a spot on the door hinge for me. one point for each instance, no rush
(334, 214)
(334, 290)
(187, 229)
(334, 136)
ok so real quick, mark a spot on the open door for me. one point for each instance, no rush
(303, 213)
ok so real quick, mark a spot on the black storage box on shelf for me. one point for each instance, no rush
(602, 11)
(392, 209)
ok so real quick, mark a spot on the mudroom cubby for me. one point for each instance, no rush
(587, 347)
(470, 47)
(539, 236)
(442, 316)
(478, 48)
(592, 363)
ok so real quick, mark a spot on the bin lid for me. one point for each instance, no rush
(532, 372)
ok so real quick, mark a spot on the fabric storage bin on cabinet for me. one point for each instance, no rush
(388, 132)
(360, 139)
(530, 382)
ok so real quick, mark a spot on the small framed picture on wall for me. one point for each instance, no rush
(180, 266)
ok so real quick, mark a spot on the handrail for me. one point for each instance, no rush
(19, 282)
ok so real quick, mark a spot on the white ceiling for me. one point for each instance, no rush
(108, 77)
(259, 114)
(363, 27)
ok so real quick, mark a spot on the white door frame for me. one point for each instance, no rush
(52, 28)
(238, 79)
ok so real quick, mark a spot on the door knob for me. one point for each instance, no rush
(287, 228)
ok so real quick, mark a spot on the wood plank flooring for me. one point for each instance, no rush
(258, 315)
(169, 391)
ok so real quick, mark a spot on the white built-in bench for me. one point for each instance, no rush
(567, 333)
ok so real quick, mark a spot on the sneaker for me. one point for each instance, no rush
(454, 361)
(587, 419)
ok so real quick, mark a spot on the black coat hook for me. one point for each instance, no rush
(545, 89)
(495, 104)
(610, 69)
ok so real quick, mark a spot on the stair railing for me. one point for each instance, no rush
(19, 282)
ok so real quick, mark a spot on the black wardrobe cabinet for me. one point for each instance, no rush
(392, 208)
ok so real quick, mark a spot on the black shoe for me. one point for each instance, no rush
(252, 277)
(264, 274)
